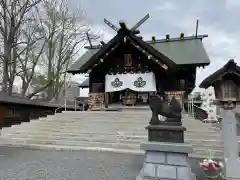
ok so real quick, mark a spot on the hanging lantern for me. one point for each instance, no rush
(89, 71)
(125, 39)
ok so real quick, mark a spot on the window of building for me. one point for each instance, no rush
(229, 89)
(210, 94)
(128, 59)
(210, 110)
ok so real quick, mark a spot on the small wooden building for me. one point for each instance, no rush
(225, 82)
(15, 110)
(128, 69)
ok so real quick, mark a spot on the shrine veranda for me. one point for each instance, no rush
(127, 69)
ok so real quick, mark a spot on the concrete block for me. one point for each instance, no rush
(155, 157)
(184, 173)
(149, 169)
(167, 147)
(177, 159)
(165, 171)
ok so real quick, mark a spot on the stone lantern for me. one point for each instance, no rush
(226, 83)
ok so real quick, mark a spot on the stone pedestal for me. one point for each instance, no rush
(166, 161)
(166, 133)
(230, 141)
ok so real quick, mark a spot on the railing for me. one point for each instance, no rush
(199, 113)
(194, 110)
(65, 105)
(60, 107)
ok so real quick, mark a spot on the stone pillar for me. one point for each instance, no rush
(230, 141)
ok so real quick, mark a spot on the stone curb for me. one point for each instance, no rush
(97, 149)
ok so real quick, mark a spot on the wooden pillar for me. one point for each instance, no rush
(2, 113)
(106, 97)
(179, 95)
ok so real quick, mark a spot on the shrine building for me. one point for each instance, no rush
(127, 69)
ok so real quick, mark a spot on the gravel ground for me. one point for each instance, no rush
(26, 164)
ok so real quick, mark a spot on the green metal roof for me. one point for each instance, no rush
(83, 59)
(185, 51)
(84, 84)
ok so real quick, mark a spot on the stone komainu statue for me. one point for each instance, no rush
(171, 111)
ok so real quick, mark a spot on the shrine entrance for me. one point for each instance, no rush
(129, 89)
(129, 97)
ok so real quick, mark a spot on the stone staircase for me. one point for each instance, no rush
(119, 131)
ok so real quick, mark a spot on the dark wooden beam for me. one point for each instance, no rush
(111, 25)
(139, 23)
(136, 32)
(122, 25)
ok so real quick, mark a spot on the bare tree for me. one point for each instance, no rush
(64, 34)
(30, 54)
(13, 14)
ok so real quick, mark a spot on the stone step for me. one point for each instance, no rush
(128, 117)
(126, 132)
(143, 122)
(105, 138)
(189, 135)
(203, 152)
(124, 145)
(113, 131)
(60, 129)
(112, 120)
(198, 152)
(72, 124)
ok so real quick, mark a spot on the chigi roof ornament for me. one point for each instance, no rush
(123, 25)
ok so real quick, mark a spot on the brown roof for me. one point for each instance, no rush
(122, 33)
(230, 67)
(6, 99)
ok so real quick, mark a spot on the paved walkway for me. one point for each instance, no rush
(26, 164)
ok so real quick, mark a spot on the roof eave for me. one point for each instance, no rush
(154, 52)
(210, 80)
(100, 53)
(79, 71)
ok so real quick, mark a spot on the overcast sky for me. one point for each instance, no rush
(217, 18)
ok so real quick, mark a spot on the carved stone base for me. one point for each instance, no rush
(166, 161)
(166, 133)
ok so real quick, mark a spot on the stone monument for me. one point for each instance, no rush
(226, 85)
(166, 154)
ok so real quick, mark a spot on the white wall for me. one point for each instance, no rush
(208, 98)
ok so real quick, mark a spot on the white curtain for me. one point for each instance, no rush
(140, 82)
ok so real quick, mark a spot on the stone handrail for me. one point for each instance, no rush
(199, 113)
